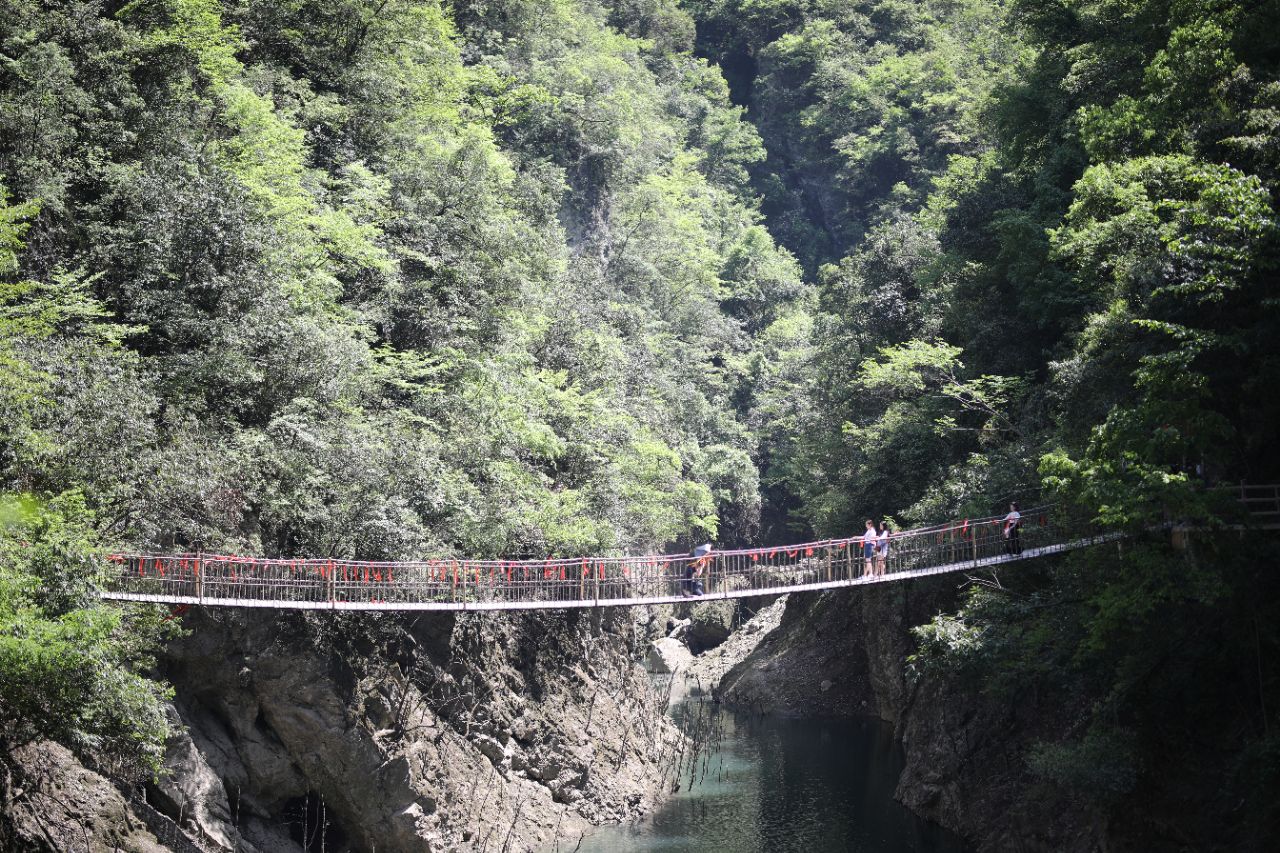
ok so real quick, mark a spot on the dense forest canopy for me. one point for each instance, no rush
(382, 278)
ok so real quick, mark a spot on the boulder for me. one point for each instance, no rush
(710, 624)
(668, 655)
(677, 628)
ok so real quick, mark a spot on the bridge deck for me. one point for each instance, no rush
(463, 584)
(456, 584)
(630, 601)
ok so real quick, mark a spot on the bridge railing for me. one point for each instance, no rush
(447, 583)
(1261, 501)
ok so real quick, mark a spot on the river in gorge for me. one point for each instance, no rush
(771, 784)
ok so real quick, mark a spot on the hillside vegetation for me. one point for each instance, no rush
(1044, 238)
(383, 278)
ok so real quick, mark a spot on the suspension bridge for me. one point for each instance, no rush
(449, 583)
(467, 584)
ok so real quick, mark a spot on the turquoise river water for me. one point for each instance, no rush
(775, 785)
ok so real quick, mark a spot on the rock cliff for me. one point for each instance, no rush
(50, 802)
(432, 731)
(378, 732)
(845, 653)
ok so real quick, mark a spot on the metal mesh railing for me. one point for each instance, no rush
(461, 584)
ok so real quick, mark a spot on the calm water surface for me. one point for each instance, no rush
(772, 785)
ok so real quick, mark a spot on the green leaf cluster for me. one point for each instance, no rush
(71, 667)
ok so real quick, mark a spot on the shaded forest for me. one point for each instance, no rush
(385, 278)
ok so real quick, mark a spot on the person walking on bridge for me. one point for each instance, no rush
(1012, 526)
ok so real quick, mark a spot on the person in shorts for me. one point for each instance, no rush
(882, 548)
(869, 540)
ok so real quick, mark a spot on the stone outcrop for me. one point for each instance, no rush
(711, 666)
(845, 653)
(668, 655)
(53, 803)
(409, 732)
(710, 623)
(837, 653)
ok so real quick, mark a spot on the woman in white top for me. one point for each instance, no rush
(869, 545)
(882, 548)
(1012, 524)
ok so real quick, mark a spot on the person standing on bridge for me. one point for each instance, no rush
(693, 571)
(1012, 526)
(869, 541)
(882, 548)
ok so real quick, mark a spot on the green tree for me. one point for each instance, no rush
(72, 668)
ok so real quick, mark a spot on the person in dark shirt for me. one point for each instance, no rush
(1012, 526)
(693, 571)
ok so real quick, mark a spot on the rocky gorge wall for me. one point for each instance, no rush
(845, 653)
(443, 731)
(382, 732)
